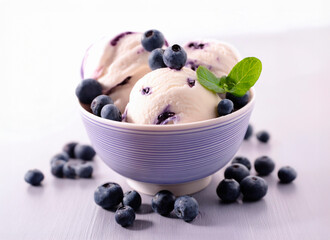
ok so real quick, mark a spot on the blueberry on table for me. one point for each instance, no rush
(84, 170)
(108, 195)
(287, 174)
(155, 59)
(99, 102)
(228, 190)
(264, 165)
(125, 216)
(237, 171)
(175, 57)
(225, 107)
(69, 170)
(87, 90)
(111, 112)
(60, 156)
(34, 177)
(242, 160)
(152, 39)
(263, 136)
(132, 199)
(253, 188)
(57, 168)
(163, 202)
(69, 149)
(249, 132)
(239, 102)
(84, 152)
(186, 208)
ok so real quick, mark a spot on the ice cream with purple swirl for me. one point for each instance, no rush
(217, 56)
(116, 63)
(182, 87)
(170, 96)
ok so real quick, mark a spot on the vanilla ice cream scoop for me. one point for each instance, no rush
(168, 96)
(117, 63)
(217, 56)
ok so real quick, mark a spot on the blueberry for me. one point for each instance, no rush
(263, 136)
(69, 170)
(57, 168)
(132, 199)
(125, 216)
(34, 177)
(152, 39)
(108, 195)
(239, 102)
(156, 59)
(225, 107)
(60, 156)
(286, 174)
(84, 170)
(253, 188)
(99, 102)
(242, 160)
(87, 90)
(84, 152)
(237, 171)
(264, 165)
(249, 132)
(163, 202)
(111, 112)
(175, 57)
(69, 149)
(186, 208)
(228, 190)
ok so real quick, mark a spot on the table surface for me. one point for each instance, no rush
(292, 104)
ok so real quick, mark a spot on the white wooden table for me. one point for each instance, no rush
(292, 104)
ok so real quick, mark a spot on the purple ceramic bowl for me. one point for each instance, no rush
(168, 154)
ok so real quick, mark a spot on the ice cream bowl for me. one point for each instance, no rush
(180, 157)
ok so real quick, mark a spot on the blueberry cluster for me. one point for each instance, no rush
(262, 136)
(174, 57)
(238, 179)
(63, 164)
(232, 103)
(72, 163)
(110, 196)
(185, 207)
(89, 91)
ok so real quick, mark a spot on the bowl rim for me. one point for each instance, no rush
(181, 126)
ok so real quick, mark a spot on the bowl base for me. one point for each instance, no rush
(176, 189)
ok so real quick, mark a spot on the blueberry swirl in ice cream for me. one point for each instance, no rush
(217, 56)
(117, 63)
(169, 96)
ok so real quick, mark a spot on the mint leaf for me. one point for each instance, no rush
(208, 80)
(243, 76)
(240, 79)
(226, 83)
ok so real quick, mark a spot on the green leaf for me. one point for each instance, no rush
(226, 83)
(243, 76)
(208, 80)
(240, 79)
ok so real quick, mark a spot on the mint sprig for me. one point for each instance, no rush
(240, 79)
